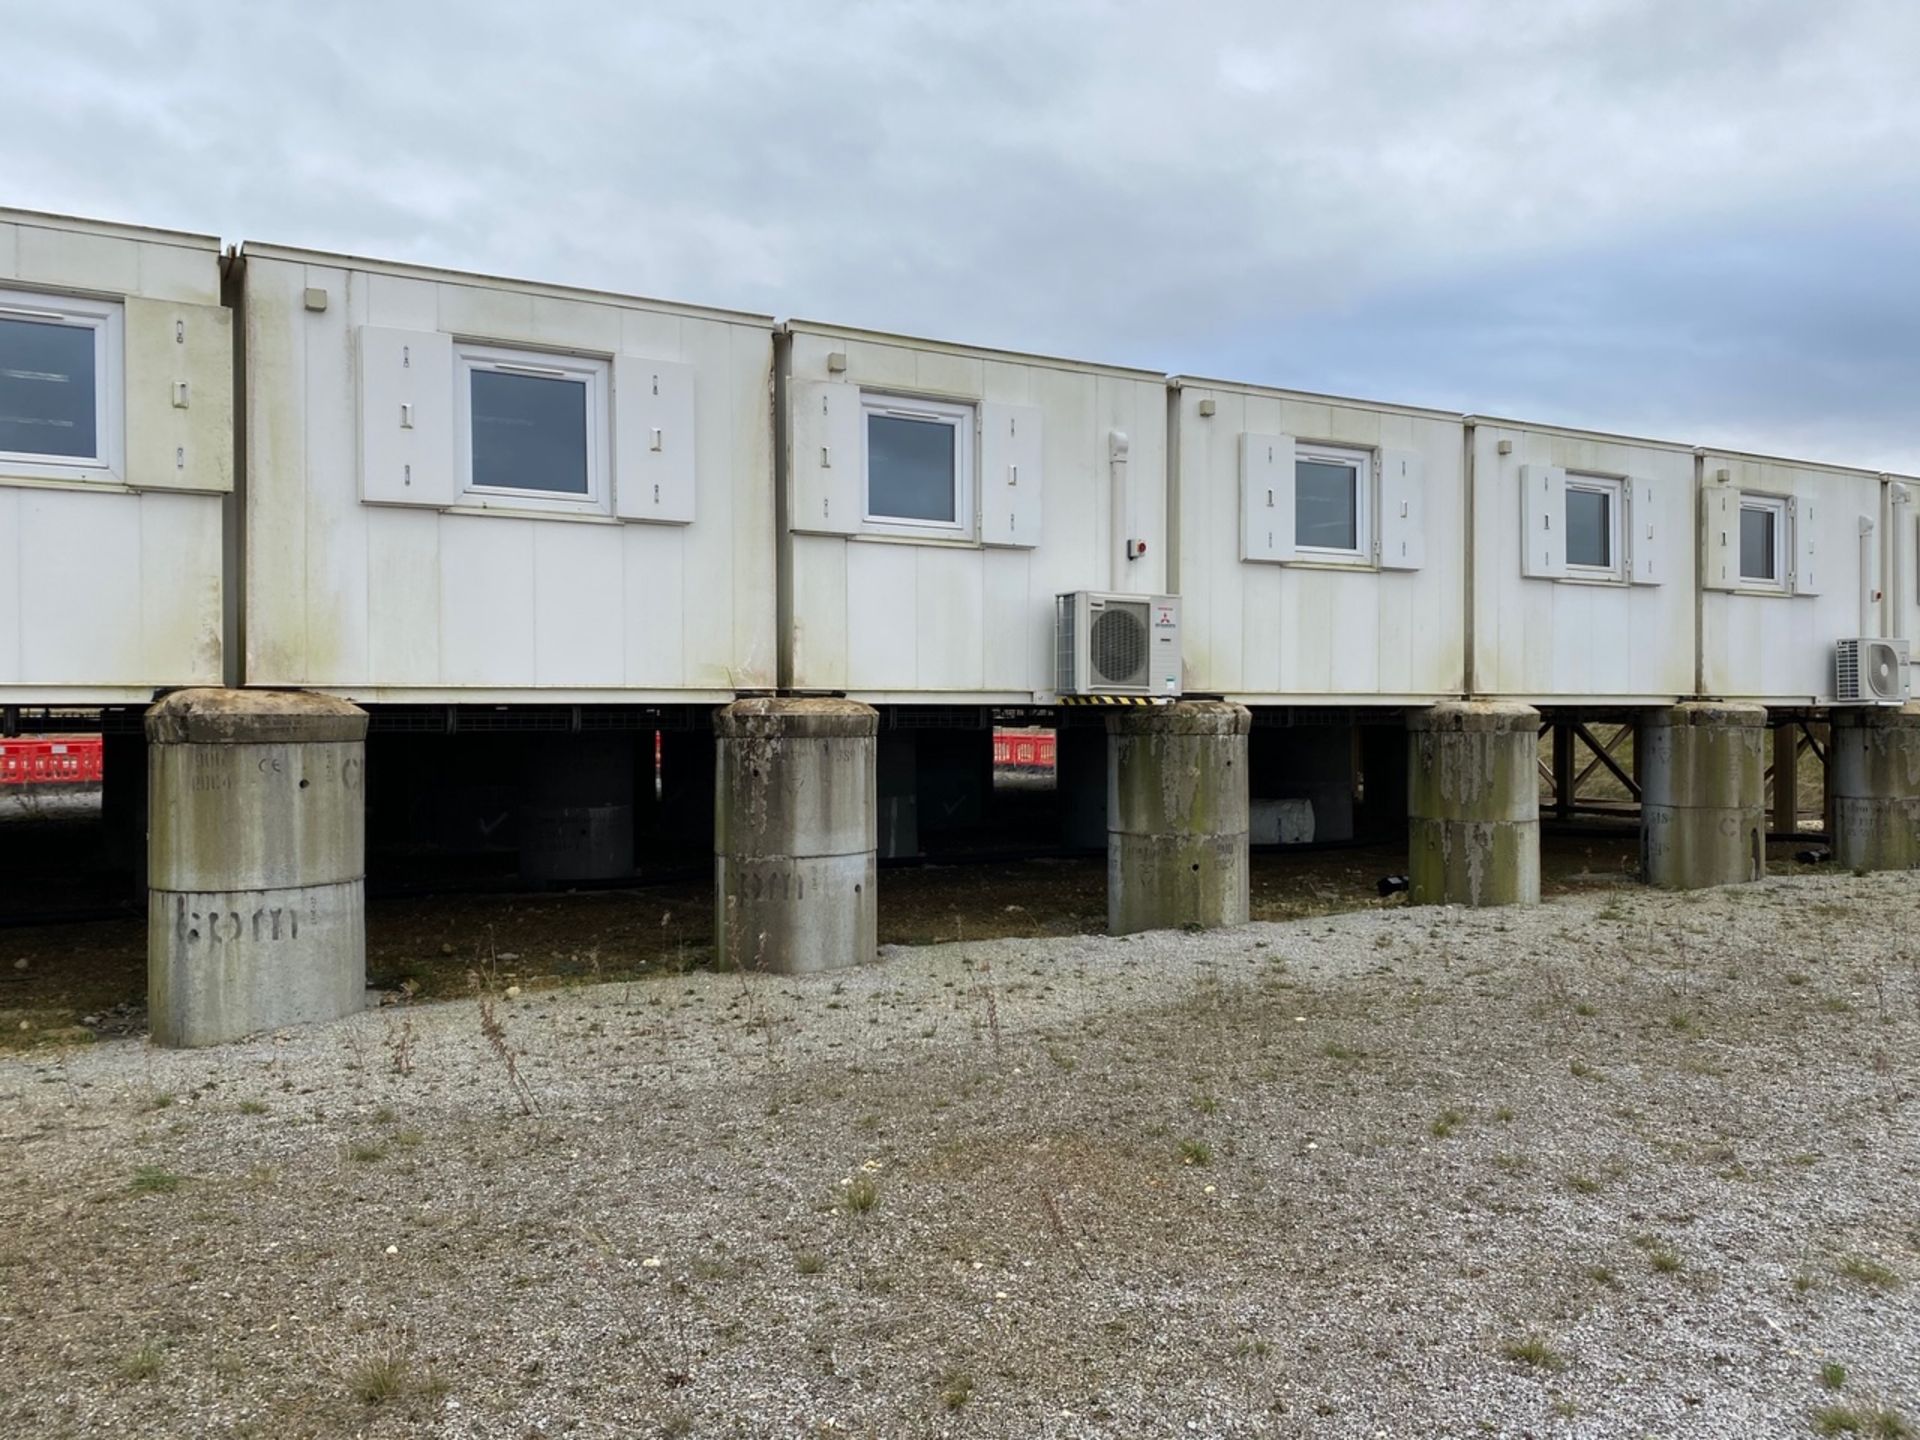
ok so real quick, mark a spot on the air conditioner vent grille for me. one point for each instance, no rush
(1118, 645)
(1870, 671)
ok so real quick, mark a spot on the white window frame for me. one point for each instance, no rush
(1778, 507)
(1362, 461)
(964, 418)
(107, 319)
(1614, 487)
(591, 371)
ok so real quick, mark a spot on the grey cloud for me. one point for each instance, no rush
(1384, 194)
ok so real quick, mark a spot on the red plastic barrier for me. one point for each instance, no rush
(1023, 751)
(65, 760)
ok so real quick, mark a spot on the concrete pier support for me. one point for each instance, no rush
(576, 818)
(256, 912)
(794, 835)
(1703, 797)
(1473, 809)
(1177, 816)
(1873, 769)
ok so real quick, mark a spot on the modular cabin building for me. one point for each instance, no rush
(116, 460)
(1582, 566)
(1791, 557)
(936, 500)
(464, 489)
(1318, 545)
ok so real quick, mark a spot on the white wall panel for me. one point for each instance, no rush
(105, 589)
(950, 601)
(179, 624)
(886, 618)
(578, 579)
(404, 551)
(73, 632)
(12, 601)
(1542, 638)
(500, 601)
(662, 630)
(883, 625)
(1779, 646)
(1290, 627)
(487, 601)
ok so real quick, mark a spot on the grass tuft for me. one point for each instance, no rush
(1534, 1351)
(382, 1378)
(860, 1195)
(154, 1180)
(1869, 1272)
(1195, 1152)
(956, 1388)
(144, 1363)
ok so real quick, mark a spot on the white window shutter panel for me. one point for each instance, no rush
(179, 401)
(1806, 562)
(1266, 497)
(1720, 538)
(653, 440)
(406, 417)
(826, 458)
(1646, 547)
(1010, 475)
(1543, 522)
(1403, 521)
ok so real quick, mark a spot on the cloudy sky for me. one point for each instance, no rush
(1689, 218)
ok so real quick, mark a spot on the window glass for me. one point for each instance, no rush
(910, 469)
(47, 400)
(529, 433)
(1756, 542)
(1326, 505)
(1589, 528)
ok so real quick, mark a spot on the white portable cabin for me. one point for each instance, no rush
(116, 458)
(460, 488)
(1791, 557)
(1582, 565)
(1318, 546)
(1009, 480)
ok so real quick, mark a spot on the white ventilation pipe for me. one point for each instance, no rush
(1899, 527)
(1869, 593)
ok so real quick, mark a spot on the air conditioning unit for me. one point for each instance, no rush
(1122, 645)
(1870, 671)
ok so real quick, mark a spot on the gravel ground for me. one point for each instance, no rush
(1620, 1165)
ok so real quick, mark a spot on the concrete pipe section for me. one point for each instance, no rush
(1177, 816)
(256, 906)
(794, 835)
(1473, 811)
(1703, 802)
(1874, 783)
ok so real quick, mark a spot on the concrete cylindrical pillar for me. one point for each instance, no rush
(256, 907)
(1873, 769)
(794, 835)
(1703, 815)
(1473, 811)
(1177, 816)
(576, 821)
